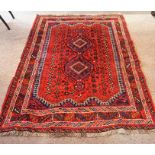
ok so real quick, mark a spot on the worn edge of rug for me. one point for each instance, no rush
(98, 133)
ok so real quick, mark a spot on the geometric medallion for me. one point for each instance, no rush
(78, 68)
(79, 44)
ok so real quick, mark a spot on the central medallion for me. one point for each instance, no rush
(78, 68)
(79, 44)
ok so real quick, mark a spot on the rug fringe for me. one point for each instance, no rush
(80, 135)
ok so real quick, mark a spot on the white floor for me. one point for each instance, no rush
(142, 29)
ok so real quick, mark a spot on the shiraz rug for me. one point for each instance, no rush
(78, 74)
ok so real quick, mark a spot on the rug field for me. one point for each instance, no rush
(78, 74)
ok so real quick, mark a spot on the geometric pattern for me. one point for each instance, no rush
(78, 68)
(78, 74)
(79, 44)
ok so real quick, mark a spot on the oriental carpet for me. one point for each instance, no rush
(78, 74)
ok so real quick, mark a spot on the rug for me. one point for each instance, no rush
(78, 74)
